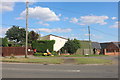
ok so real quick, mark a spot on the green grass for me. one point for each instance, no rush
(57, 61)
(92, 61)
(77, 55)
(28, 60)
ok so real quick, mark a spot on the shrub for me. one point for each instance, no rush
(38, 54)
(70, 46)
(54, 53)
(43, 45)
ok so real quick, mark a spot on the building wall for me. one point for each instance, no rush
(59, 42)
(112, 53)
(111, 48)
(109, 52)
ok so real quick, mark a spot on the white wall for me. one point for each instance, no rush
(59, 42)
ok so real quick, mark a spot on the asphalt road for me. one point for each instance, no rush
(13, 70)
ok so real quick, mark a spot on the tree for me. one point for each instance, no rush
(32, 36)
(4, 42)
(16, 33)
(71, 46)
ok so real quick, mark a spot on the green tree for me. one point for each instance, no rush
(4, 42)
(16, 33)
(71, 46)
(32, 36)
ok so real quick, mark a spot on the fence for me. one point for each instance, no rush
(7, 51)
(84, 51)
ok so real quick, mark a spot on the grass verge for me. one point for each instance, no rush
(92, 61)
(77, 55)
(28, 60)
(58, 61)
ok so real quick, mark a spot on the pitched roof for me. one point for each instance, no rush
(47, 37)
(84, 44)
(104, 45)
(96, 45)
(57, 36)
(117, 44)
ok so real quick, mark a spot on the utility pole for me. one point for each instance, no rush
(89, 39)
(26, 50)
(39, 35)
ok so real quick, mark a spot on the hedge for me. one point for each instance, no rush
(43, 45)
(38, 54)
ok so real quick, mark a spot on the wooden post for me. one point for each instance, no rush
(104, 52)
(114, 52)
(119, 52)
(26, 50)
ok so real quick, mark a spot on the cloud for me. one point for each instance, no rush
(93, 36)
(19, 0)
(3, 31)
(113, 18)
(59, 15)
(42, 23)
(74, 20)
(89, 34)
(92, 19)
(42, 35)
(65, 18)
(6, 6)
(40, 13)
(86, 20)
(115, 25)
(58, 30)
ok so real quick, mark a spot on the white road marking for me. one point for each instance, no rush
(41, 70)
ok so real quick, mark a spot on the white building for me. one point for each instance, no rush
(59, 41)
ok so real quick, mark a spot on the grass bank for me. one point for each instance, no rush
(28, 60)
(92, 61)
(56, 60)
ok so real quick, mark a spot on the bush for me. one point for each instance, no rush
(54, 53)
(43, 45)
(38, 54)
(70, 46)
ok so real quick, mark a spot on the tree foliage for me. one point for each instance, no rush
(4, 42)
(32, 36)
(16, 33)
(71, 46)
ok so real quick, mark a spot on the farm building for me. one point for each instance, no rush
(87, 47)
(110, 48)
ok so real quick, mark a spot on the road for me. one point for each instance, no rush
(20, 70)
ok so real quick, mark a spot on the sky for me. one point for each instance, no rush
(65, 19)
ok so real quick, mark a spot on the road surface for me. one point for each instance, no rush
(20, 70)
